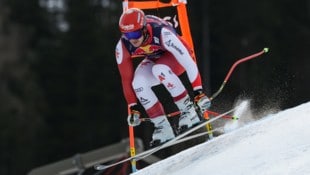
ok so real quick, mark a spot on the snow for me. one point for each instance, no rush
(277, 144)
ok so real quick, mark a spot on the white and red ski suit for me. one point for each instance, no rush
(166, 56)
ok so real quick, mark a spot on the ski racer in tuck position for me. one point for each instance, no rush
(166, 56)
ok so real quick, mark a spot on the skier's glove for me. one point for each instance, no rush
(202, 101)
(134, 116)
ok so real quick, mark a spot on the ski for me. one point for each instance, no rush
(174, 141)
(200, 134)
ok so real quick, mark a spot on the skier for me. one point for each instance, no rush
(165, 56)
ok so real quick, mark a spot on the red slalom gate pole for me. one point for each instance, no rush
(132, 145)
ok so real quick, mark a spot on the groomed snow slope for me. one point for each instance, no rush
(278, 144)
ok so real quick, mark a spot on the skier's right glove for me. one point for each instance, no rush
(134, 117)
(202, 101)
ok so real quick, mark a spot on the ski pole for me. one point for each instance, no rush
(132, 145)
(265, 50)
(206, 114)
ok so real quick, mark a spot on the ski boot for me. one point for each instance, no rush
(163, 131)
(189, 116)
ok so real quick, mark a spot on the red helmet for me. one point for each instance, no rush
(131, 20)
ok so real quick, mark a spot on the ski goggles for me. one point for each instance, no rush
(133, 35)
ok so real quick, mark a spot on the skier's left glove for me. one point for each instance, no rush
(133, 118)
(202, 101)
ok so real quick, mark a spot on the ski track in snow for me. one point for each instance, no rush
(278, 144)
